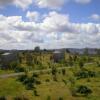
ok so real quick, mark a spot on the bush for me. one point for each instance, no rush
(60, 98)
(38, 82)
(48, 98)
(54, 71)
(83, 90)
(91, 74)
(35, 75)
(85, 74)
(35, 93)
(21, 98)
(47, 80)
(22, 78)
(98, 64)
(29, 86)
(64, 81)
(3, 98)
(81, 64)
(29, 82)
(63, 71)
(19, 69)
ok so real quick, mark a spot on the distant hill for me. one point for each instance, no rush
(70, 50)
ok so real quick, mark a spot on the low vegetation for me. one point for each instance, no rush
(77, 79)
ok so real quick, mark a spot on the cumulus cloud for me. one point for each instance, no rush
(54, 31)
(83, 1)
(55, 22)
(33, 16)
(53, 4)
(19, 3)
(95, 17)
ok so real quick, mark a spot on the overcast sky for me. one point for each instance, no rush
(49, 24)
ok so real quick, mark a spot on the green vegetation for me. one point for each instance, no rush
(77, 79)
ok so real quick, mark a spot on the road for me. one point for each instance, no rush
(35, 71)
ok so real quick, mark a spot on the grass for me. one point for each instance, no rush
(51, 89)
(10, 87)
(6, 71)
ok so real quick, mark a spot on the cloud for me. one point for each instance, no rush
(54, 31)
(19, 3)
(56, 4)
(53, 4)
(33, 16)
(95, 17)
(83, 1)
(55, 22)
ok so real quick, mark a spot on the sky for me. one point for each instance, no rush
(50, 24)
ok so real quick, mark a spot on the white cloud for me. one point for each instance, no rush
(95, 17)
(55, 22)
(83, 1)
(53, 4)
(54, 31)
(20, 3)
(33, 16)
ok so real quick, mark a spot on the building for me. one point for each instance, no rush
(7, 58)
(58, 55)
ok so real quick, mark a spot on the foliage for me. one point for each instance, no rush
(60, 98)
(63, 71)
(85, 74)
(83, 90)
(81, 64)
(35, 93)
(3, 98)
(48, 98)
(20, 98)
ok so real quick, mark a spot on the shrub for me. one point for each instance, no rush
(38, 82)
(21, 98)
(63, 71)
(3, 98)
(81, 64)
(83, 90)
(91, 74)
(85, 74)
(35, 93)
(48, 98)
(60, 98)
(19, 69)
(98, 64)
(64, 81)
(22, 78)
(47, 80)
(35, 75)
(29, 86)
(54, 71)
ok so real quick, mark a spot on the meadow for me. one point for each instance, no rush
(79, 80)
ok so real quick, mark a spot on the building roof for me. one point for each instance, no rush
(5, 54)
(57, 51)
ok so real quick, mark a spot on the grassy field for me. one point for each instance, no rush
(6, 71)
(83, 71)
(50, 89)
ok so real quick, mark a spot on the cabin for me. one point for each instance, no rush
(7, 58)
(58, 55)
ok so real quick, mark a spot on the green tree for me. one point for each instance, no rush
(81, 64)
(63, 71)
(83, 90)
(54, 73)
